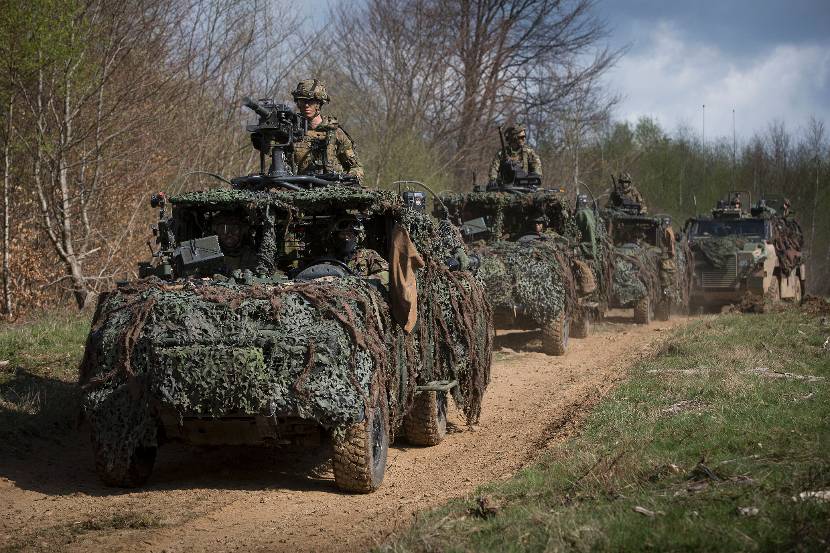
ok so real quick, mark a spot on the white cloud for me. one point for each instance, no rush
(669, 77)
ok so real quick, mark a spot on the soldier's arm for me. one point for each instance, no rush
(534, 162)
(347, 156)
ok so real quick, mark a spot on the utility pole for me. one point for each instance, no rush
(734, 150)
(703, 143)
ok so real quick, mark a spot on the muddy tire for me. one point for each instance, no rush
(426, 422)
(581, 327)
(360, 455)
(663, 311)
(555, 335)
(642, 311)
(132, 471)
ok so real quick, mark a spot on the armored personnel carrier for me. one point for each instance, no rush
(651, 268)
(752, 257)
(534, 273)
(249, 326)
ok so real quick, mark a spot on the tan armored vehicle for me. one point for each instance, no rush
(753, 258)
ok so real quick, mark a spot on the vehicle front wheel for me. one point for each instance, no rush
(642, 311)
(581, 327)
(360, 454)
(123, 468)
(663, 311)
(555, 335)
(426, 422)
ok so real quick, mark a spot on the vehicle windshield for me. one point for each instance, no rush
(727, 227)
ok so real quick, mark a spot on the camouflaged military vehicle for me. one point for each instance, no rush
(247, 328)
(531, 264)
(751, 257)
(651, 269)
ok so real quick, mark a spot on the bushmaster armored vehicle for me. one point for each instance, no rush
(651, 268)
(750, 257)
(248, 327)
(534, 273)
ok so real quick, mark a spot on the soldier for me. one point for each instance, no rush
(348, 235)
(516, 150)
(232, 232)
(326, 147)
(668, 263)
(626, 193)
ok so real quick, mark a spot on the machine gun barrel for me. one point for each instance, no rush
(255, 107)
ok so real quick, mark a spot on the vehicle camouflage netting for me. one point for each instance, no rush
(534, 276)
(311, 349)
(717, 251)
(788, 239)
(636, 275)
(520, 206)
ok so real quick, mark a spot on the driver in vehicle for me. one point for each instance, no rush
(348, 235)
(232, 231)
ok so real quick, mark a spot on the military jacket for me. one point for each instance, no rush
(525, 156)
(619, 197)
(325, 149)
(367, 262)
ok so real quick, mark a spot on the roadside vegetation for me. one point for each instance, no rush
(38, 375)
(718, 442)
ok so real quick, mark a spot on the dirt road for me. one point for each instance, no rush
(256, 500)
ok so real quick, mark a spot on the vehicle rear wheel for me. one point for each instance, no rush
(642, 311)
(426, 422)
(555, 335)
(663, 310)
(360, 454)
(581, 327)
(124, 469)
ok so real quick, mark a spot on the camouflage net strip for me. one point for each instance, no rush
(635, 276)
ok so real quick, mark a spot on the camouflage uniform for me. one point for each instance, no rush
(587, 224)
(524, 156)
(326, 148)
(668, 265)
(366, 262)
(626, 193)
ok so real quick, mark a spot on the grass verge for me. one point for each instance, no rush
(703, 448)
(38, 374)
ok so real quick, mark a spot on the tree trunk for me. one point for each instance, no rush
(7, 296)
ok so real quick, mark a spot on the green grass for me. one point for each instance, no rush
(38, 374)
(764, 441)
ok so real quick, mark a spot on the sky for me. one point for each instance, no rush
(766, 59)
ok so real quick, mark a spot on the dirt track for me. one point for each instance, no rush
(250, 500)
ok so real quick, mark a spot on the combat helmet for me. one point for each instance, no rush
(625, 178)
(515, 131)
(311, 89)
(347, 248)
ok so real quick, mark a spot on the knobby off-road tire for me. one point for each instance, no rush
(663, 311)
(581, 327)
(360, 455)
(555, 335)
(426, 423)
(131, 471)
(642, 311)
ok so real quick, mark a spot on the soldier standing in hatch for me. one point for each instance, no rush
(517, 150)
(348, 236)
(326, 147)
(626, 193)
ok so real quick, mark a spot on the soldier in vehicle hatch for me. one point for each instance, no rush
(348, 235)
(326, 147)
(626, 193)
(518, 151)
(233, 233)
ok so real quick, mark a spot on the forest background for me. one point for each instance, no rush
(102, 104)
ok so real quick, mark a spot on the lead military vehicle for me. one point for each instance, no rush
(534, 271)
(246, 327)
(651, 268)
(750, 257)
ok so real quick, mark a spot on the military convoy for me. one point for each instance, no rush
(248, 328)
(752, 258)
